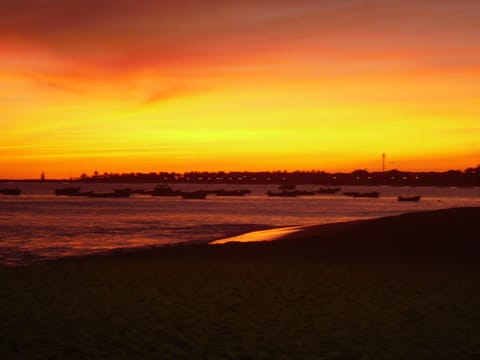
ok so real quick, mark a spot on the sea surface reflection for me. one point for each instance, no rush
(38, 225)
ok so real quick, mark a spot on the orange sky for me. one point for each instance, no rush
(183, 85)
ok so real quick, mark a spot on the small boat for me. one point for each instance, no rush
(373, 194)
(164, 190)
(108, 195)
(329, 190)
(193, 194)
(84, 193)
(305, 193)
(119, 193)
(282, 193)
(231, 192)
(11, 192)
(409, 198)
(213, 192)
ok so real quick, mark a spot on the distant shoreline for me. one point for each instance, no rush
(475, 184)
(469, 177)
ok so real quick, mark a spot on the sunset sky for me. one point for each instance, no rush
(177, 85)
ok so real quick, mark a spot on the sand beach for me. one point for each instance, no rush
(397, 287)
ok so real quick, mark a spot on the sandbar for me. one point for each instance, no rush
(399, 287)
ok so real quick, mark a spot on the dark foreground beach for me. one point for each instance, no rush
(392, 288)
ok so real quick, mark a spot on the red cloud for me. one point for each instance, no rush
(126, 35)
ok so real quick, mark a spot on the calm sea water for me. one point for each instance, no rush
(39, 226)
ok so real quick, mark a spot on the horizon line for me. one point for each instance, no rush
(135, 173)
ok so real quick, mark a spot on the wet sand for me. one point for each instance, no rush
(399, 287)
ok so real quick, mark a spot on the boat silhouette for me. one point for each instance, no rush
(231, 192)
(409, 198)
(164, 190)
(328, 190)
(193, 194)
(11, 192)
(284, 193)
(356, 194)
(72, 191)
(305, 193)
(84, 193)
(118, 193)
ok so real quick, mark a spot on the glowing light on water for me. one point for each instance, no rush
(261, 235)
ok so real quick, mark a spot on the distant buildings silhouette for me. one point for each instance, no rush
(468, 177)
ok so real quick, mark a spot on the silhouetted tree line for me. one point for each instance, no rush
(468, 177)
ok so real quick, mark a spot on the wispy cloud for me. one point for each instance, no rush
(46, 84)
(162, 95)
(130, 34)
